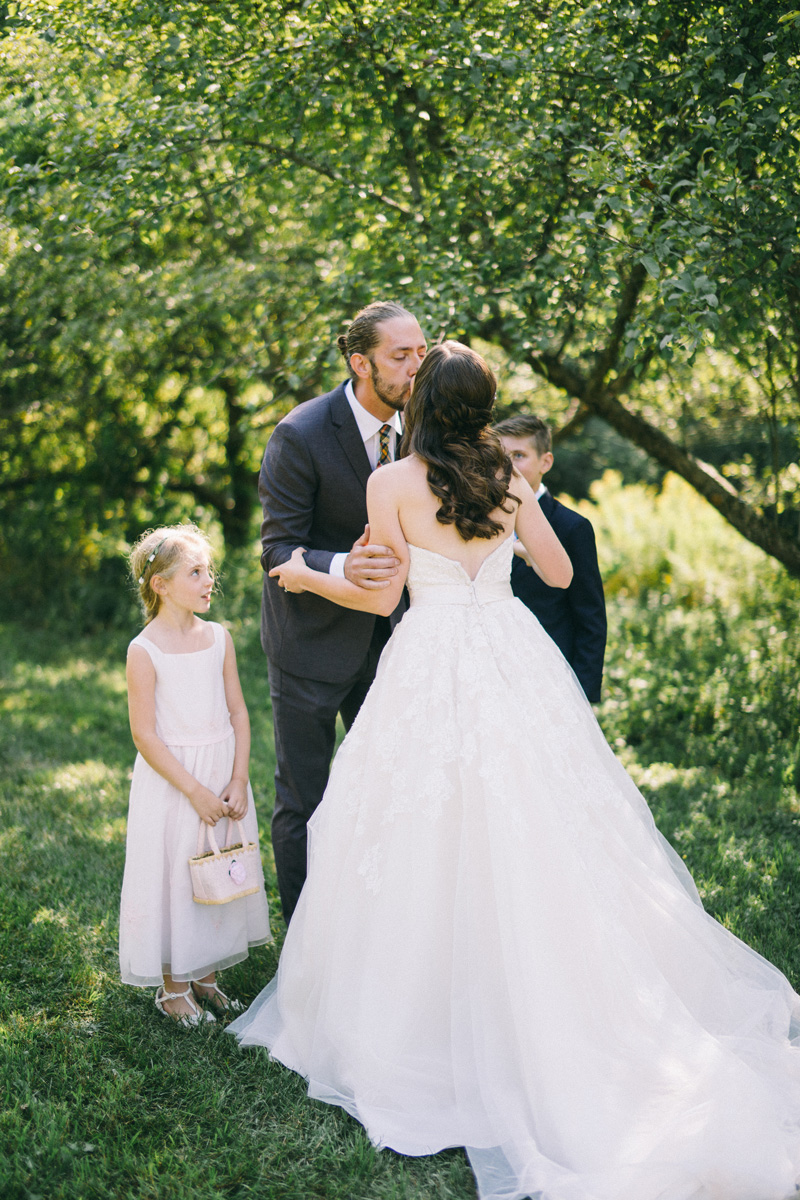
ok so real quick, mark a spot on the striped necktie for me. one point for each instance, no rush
(384, 457)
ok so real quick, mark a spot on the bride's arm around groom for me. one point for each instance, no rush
(400, 501)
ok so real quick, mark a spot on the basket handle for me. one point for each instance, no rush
(208, 831)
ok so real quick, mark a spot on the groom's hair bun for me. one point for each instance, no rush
(363, 334)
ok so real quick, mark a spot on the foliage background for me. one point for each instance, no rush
(195, 197)
(603, 200)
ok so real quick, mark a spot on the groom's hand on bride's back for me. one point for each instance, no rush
(370, 566)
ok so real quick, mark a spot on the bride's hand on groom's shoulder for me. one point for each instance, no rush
(368, 565)
(290, 575)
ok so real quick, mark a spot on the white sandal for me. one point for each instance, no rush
(189, 1019)
(225, 1004)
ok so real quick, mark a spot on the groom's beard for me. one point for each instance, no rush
(393, 395)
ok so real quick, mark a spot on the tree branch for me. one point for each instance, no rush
(751, 523)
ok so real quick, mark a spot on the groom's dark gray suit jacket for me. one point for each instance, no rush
(313, 491)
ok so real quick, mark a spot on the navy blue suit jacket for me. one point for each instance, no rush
(574, 617)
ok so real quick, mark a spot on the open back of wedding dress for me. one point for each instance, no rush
(496, 948)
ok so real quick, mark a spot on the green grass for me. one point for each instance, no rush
(103, 1098)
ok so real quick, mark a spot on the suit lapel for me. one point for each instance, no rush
(348, 436)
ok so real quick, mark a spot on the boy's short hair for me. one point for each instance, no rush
(525, 425)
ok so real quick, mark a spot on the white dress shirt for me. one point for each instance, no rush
(369, 427)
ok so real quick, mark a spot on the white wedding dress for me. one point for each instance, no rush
(496, 948)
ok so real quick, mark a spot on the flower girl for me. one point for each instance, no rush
(190, 725)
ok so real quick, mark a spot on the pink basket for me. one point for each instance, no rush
(219, 876)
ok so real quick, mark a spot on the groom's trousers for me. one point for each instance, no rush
(304, 715)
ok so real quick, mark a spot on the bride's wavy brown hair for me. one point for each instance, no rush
(447, 426)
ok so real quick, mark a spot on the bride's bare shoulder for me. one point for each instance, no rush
(413, 468)
(403, 473)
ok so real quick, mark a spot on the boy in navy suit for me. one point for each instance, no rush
(575, 617)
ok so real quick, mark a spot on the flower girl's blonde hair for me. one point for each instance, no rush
(160, 552)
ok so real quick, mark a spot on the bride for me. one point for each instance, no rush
(495, 948)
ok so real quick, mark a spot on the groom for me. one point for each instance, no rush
(322, 658)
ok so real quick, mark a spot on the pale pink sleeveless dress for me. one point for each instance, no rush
(161, 929)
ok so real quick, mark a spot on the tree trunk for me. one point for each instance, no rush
(748, 520)
(601, 397)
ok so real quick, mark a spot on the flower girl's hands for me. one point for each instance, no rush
(208, 807)
(290, 574)
(234, 799)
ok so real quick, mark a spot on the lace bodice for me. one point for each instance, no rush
(436, 579)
